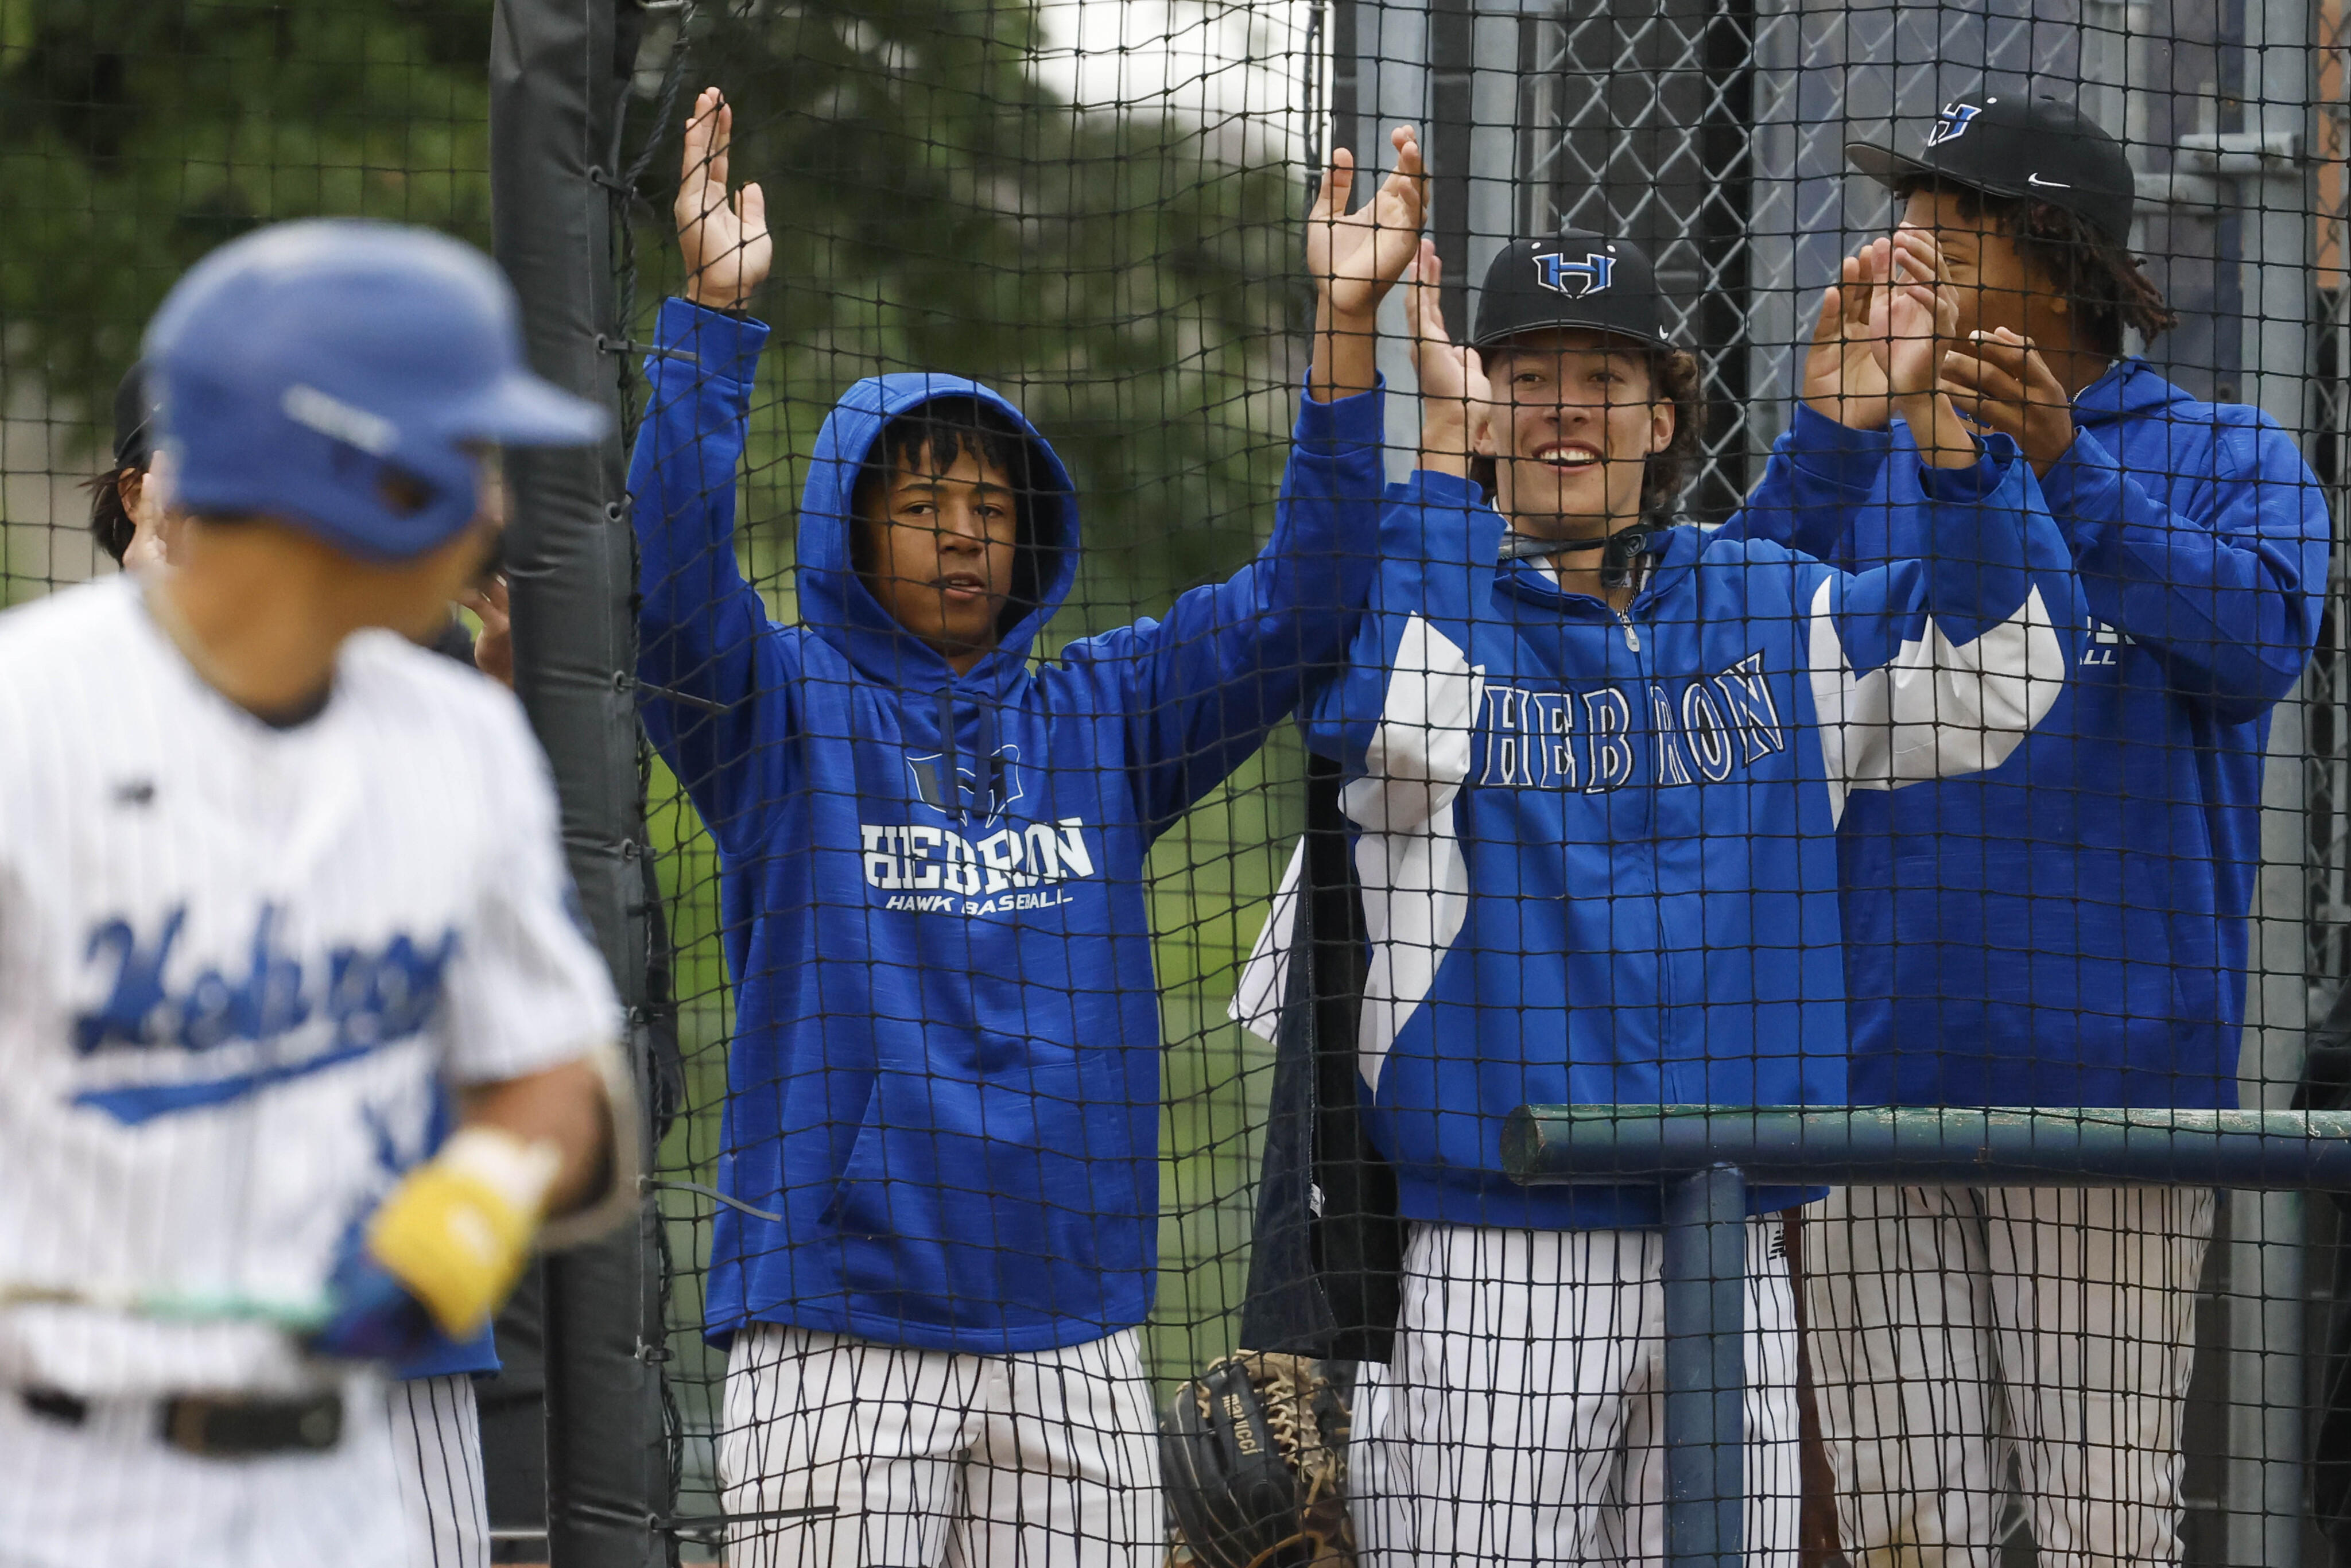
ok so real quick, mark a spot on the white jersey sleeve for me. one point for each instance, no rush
(239, 965)
(531, 989)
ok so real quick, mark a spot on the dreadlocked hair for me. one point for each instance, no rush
(1674, 376)
(2102, 279)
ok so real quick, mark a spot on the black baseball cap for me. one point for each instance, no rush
(2039, 147)
(134, 419)
(1571, 278)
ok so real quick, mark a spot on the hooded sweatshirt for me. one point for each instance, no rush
(1598, 847)
(944, 1083)
(2069, 928)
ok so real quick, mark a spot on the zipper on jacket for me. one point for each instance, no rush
(1632, 637)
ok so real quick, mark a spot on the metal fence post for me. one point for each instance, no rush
(1706, 1367)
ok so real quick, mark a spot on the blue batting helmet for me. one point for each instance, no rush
(334, 372)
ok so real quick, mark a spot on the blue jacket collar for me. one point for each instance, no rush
(1676, 551)
(2130, 388)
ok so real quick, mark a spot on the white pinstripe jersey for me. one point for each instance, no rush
(233, 960)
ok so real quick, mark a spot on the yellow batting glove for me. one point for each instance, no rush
(457, 1231)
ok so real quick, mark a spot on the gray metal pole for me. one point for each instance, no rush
(2260, 164)
(554, 95)
(1705, 1368)
(1890, 1146)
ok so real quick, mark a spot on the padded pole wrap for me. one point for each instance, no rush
(555, 90)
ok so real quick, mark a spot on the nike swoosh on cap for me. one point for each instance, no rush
(2047, 184)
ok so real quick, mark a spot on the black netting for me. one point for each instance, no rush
(1127, 837)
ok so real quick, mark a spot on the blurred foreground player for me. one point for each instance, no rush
(436, 1437)
(2069, 927)
(1595, 764)
(942, 1137)
(270, 875)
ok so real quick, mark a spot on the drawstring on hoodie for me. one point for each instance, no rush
(950, 774)
(988, 780)
(988, 768)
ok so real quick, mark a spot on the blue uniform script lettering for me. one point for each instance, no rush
(371, 998)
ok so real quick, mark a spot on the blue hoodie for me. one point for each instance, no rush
(2070, 927)
(1598, 849)
(943, 1081)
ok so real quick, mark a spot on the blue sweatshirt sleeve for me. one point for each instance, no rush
(1819, 475)
(1933, 667)
(2229, 603)
(1231, 659)
(1438, 545)
(703, 631)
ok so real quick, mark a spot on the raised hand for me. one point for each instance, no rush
(723, 241)
(1355, 258)
(2000, 381)
(1455, 395)
(1911, 323)
(1842, 379)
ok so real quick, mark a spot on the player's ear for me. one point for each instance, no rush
(1662, 419)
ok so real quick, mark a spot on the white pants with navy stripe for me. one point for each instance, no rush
(1520, 1419)
(933, 1460)
(110, 1491)
(436, 1441)
(1948, 1325)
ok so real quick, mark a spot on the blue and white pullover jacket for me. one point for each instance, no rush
(2070, 927)
(945, 1076)
(1598, 850)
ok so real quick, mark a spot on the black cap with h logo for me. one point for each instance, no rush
(2038, 149)
(1573, 279)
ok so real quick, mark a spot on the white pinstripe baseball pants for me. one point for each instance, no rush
(436, 1441)
(933, 1460)
(1948, 1323)
(1521, 1420)
(109, 1491)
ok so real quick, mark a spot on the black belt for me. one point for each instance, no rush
(220, 1427)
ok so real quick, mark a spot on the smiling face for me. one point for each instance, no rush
(938, 542)
(1573, 422)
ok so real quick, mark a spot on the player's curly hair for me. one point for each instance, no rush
(2102, 279)
(1673, 374)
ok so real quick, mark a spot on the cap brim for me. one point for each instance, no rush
(1883, 165)
(520, 410)
(1636, 340)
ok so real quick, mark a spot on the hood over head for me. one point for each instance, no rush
(837, 604)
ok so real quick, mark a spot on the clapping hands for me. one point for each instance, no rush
(1455, 395)
(1356, 257)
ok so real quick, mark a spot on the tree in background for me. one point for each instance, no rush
(935, 207)
(134, 137)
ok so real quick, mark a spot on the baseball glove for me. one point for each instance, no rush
(1253, 1456)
